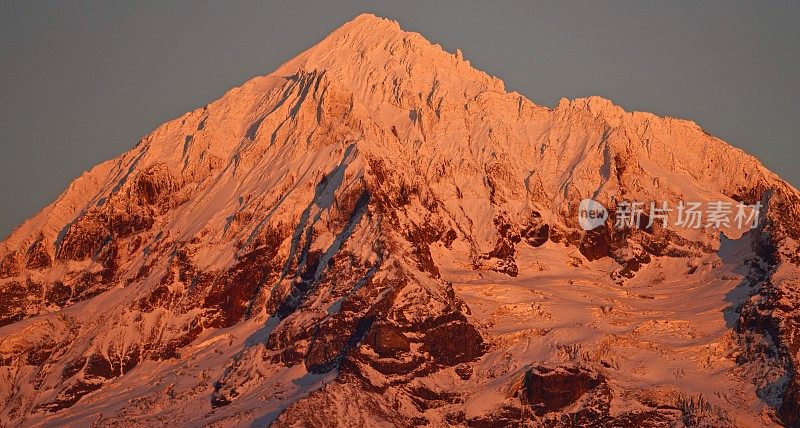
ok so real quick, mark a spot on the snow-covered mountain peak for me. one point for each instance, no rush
(369, 48)
(379, 230)
(597, 106)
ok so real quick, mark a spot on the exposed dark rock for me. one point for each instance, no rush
(387, 340)
(289, 356)
(72, 368)
(98, 367)
(71, 395)
(596, 244)
(153, 185)
(37, 256)
(333, 340)
(551, 389)
(9, 265)
(84, 237)
(420, 238)
(464, 371)
(219, 400)
(536, 235)
(631, 263)
(171, 349)
(128, 222)
(58, 294)
(448, 238)
(454, 342)
(601, 417)
(425, 398)
(506, 416)
(789, 410)
(397, 367)
(773, 312)
(15, 298)
(38, 355)
(504, 252)
(232, 292)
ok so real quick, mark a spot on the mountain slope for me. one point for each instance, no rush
(378, 233)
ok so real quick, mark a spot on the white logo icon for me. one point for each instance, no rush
(591, 214)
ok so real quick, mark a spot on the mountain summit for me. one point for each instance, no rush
(379, 234)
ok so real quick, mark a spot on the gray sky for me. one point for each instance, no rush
(81, 81)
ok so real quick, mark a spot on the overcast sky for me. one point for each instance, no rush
(81, 82)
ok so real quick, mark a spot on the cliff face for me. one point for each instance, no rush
(376, 233)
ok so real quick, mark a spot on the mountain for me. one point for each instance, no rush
(379, 234)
